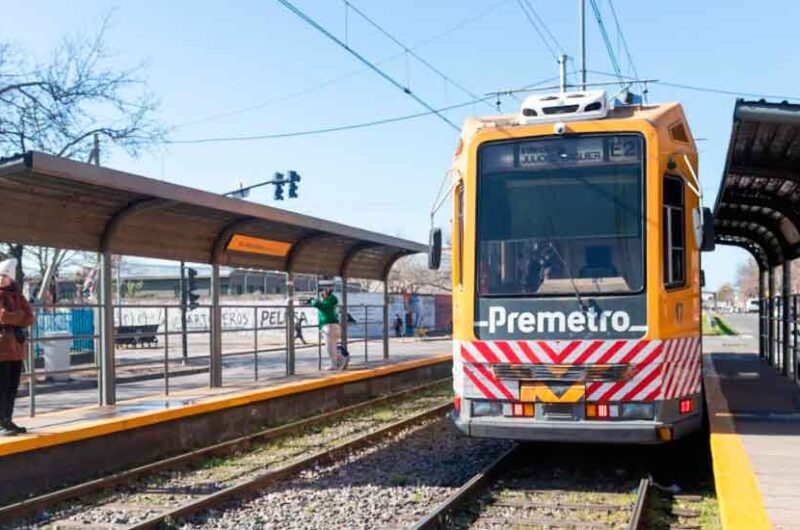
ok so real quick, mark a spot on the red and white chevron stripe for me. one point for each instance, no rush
(660, 369)
(682, 368)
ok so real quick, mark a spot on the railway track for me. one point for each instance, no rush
(161, 493)
(505, 495)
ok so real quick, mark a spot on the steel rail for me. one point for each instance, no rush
(441, 515)
(327, 456)
(638, 507)
(34, 505)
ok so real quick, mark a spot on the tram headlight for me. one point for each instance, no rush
(638, 411)
(487, 408)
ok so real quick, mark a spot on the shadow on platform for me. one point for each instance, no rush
(758, 399)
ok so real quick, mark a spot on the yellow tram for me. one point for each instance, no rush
(576, 239)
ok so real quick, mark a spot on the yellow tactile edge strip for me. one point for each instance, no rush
(741, 505)
(101, 427)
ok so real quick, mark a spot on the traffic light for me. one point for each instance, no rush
(191, 286)
(294, 178)
(279, 182)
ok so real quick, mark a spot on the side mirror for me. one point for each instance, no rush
(435, 249)
(708, 231)
(702, 278)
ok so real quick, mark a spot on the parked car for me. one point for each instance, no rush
(752, 305)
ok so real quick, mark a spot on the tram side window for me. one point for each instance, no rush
(460, 228)
(674, 235)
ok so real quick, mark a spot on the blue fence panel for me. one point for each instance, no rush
(75, 321)
(83, 324)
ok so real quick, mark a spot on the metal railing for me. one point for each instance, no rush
(164, 329)
(773, 329)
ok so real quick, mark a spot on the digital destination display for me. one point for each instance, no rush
(562, 152)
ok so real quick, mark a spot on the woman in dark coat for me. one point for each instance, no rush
(15, 316)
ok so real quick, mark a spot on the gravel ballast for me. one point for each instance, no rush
(391, 485)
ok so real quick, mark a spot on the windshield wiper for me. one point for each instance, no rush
(571, 278)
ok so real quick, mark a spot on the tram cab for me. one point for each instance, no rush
(577, 231)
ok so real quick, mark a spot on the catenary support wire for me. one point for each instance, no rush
(291, 7)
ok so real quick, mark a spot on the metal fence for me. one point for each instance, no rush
(779, 341)
(75, 330)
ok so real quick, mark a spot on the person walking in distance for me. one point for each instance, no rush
(15, 316)
(398, 326)
(299, 322)
(329, 324)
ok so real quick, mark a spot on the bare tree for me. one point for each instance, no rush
(747, 278)
(59, 105)
(411, 275)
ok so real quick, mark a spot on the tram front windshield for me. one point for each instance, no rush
(561, 215)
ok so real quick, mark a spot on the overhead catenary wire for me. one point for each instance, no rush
(331, 80)
(609, 47)
(325, 130)
(524, 7)
(545, 26)
(622, 38)
(408, 51)
(707, 89)
(291, 7)
(345, 127)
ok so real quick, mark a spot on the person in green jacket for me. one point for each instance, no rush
(329, 324)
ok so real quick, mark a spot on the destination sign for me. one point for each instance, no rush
(562, 152)
(257, 245)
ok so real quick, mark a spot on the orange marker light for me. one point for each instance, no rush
(528, 408)
(457, 403)
(591, 410)
(664, 433)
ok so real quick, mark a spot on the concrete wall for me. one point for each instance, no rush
(38, 471)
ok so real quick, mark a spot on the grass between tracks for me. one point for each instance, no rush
(666, 511)
(726, 328)
(716, 325)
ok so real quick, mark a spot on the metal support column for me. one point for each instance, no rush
(582, 42)
(107, 379)
(386, 318)
(771, 316)
(762, 314)
(786, 299)
(345, 324)
(215, 368)
(795, 364)
(290, 362)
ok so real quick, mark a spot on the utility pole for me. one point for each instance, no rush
(582, 44)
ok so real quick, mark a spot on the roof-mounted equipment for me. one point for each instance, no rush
(566, 106)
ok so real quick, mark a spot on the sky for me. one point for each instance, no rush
(253, 67)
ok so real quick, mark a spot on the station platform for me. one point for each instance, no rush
(78, 443)
(754, 417)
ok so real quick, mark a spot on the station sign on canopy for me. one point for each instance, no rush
(56, 202)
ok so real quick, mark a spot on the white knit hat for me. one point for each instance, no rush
(8, 268)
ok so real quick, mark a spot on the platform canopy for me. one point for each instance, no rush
(56, 202)
(758, 204)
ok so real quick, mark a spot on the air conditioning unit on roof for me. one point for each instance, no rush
(566, 106)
